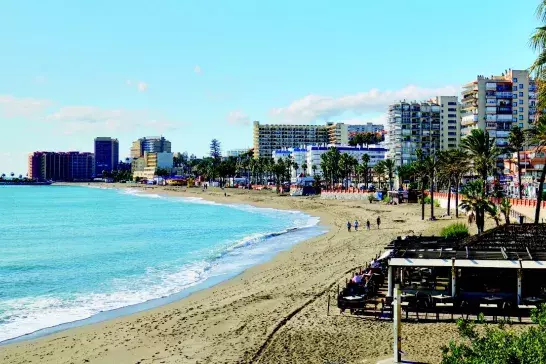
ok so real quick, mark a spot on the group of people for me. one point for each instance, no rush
(368, 227)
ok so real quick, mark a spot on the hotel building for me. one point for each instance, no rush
(53, 166)
(146, 166)
(151, 145)
(312, 156)
(497, 103)
(271, 137)
(106, 154)
(412, 126)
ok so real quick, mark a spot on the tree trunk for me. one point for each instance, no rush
(519, 176)
(449, 198)
(457, 198)
(432, 197)
(422, 201)
(480, 220)
(539, 194)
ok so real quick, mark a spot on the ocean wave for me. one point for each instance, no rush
(30, 314)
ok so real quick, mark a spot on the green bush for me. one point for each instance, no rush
(427, 201)
(455, 231)
(498, 344)
(371, 197)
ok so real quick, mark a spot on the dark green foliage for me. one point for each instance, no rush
(499, 344)
(455, 231)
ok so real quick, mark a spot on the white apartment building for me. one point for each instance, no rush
(412, 126)
(497, 103)
(235, 153)
(296, 155)
(314, 153)
(450, 121)
(270, 137)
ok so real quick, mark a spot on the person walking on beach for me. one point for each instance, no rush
(348, 226)
(378, 222)
(356, 225)
(368, 224)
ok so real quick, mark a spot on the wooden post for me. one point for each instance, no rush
(520, 273)
(390, 281)
(397, 311)
(453, 278)
(328, 309)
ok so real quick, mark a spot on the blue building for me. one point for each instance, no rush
(106, 155)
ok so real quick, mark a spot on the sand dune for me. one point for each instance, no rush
(272, 313)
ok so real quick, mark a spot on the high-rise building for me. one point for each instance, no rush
(145, 167)
(70, 166)
(269, 137)
(151, 145)
(106, 154)
(450, 121)
(412, 126)
(341, 133)
(497, 103)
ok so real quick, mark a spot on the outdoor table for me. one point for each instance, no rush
(534, 300)
(492, 298)
(441, 297)
(353, 298)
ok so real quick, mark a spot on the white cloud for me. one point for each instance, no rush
(316, 107)
(141, 86)
(87, 119)
(238, 117)
(12, 107)
(197, 69)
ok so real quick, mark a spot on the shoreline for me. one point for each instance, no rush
(272, 312)
(157, 302)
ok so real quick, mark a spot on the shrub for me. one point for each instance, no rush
(371, 197)
(455, 231)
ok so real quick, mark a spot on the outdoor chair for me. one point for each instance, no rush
(524, 309)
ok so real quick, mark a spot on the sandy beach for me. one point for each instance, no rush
(272, 313)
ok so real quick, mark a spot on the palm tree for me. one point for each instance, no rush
(483, 151)
(304, 166)
(476, 201)
(379, 170)
(421, 174)
(460, 167)
(430, 164)
(389, 169)
(366, 167)
(405, 172)
(314, 168)
(516, 140)
(506, 207)
(537, 136)
(346, 164)
(296, 168)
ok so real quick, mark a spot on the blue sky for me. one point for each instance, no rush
(195, 70)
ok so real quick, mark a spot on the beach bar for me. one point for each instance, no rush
(502, 271)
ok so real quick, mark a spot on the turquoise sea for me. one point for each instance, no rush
(71, 253)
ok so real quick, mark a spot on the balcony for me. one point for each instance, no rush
(502, 134)
(532, 95)
(491, 86)
(504, 95)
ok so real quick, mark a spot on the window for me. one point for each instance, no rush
(521, 117)
(452, 133)
(515, 80)
(451, 103)
(521, 125)
(515, 103)
(514, 119)
(451, 115)
(521, 102)
(452, 121)
(515, 95)
(514, 88)
(452, 127)
(521, 94)
(521, 86)
(452, 109)
(514, 111)
(520, 109)
(452, 139)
